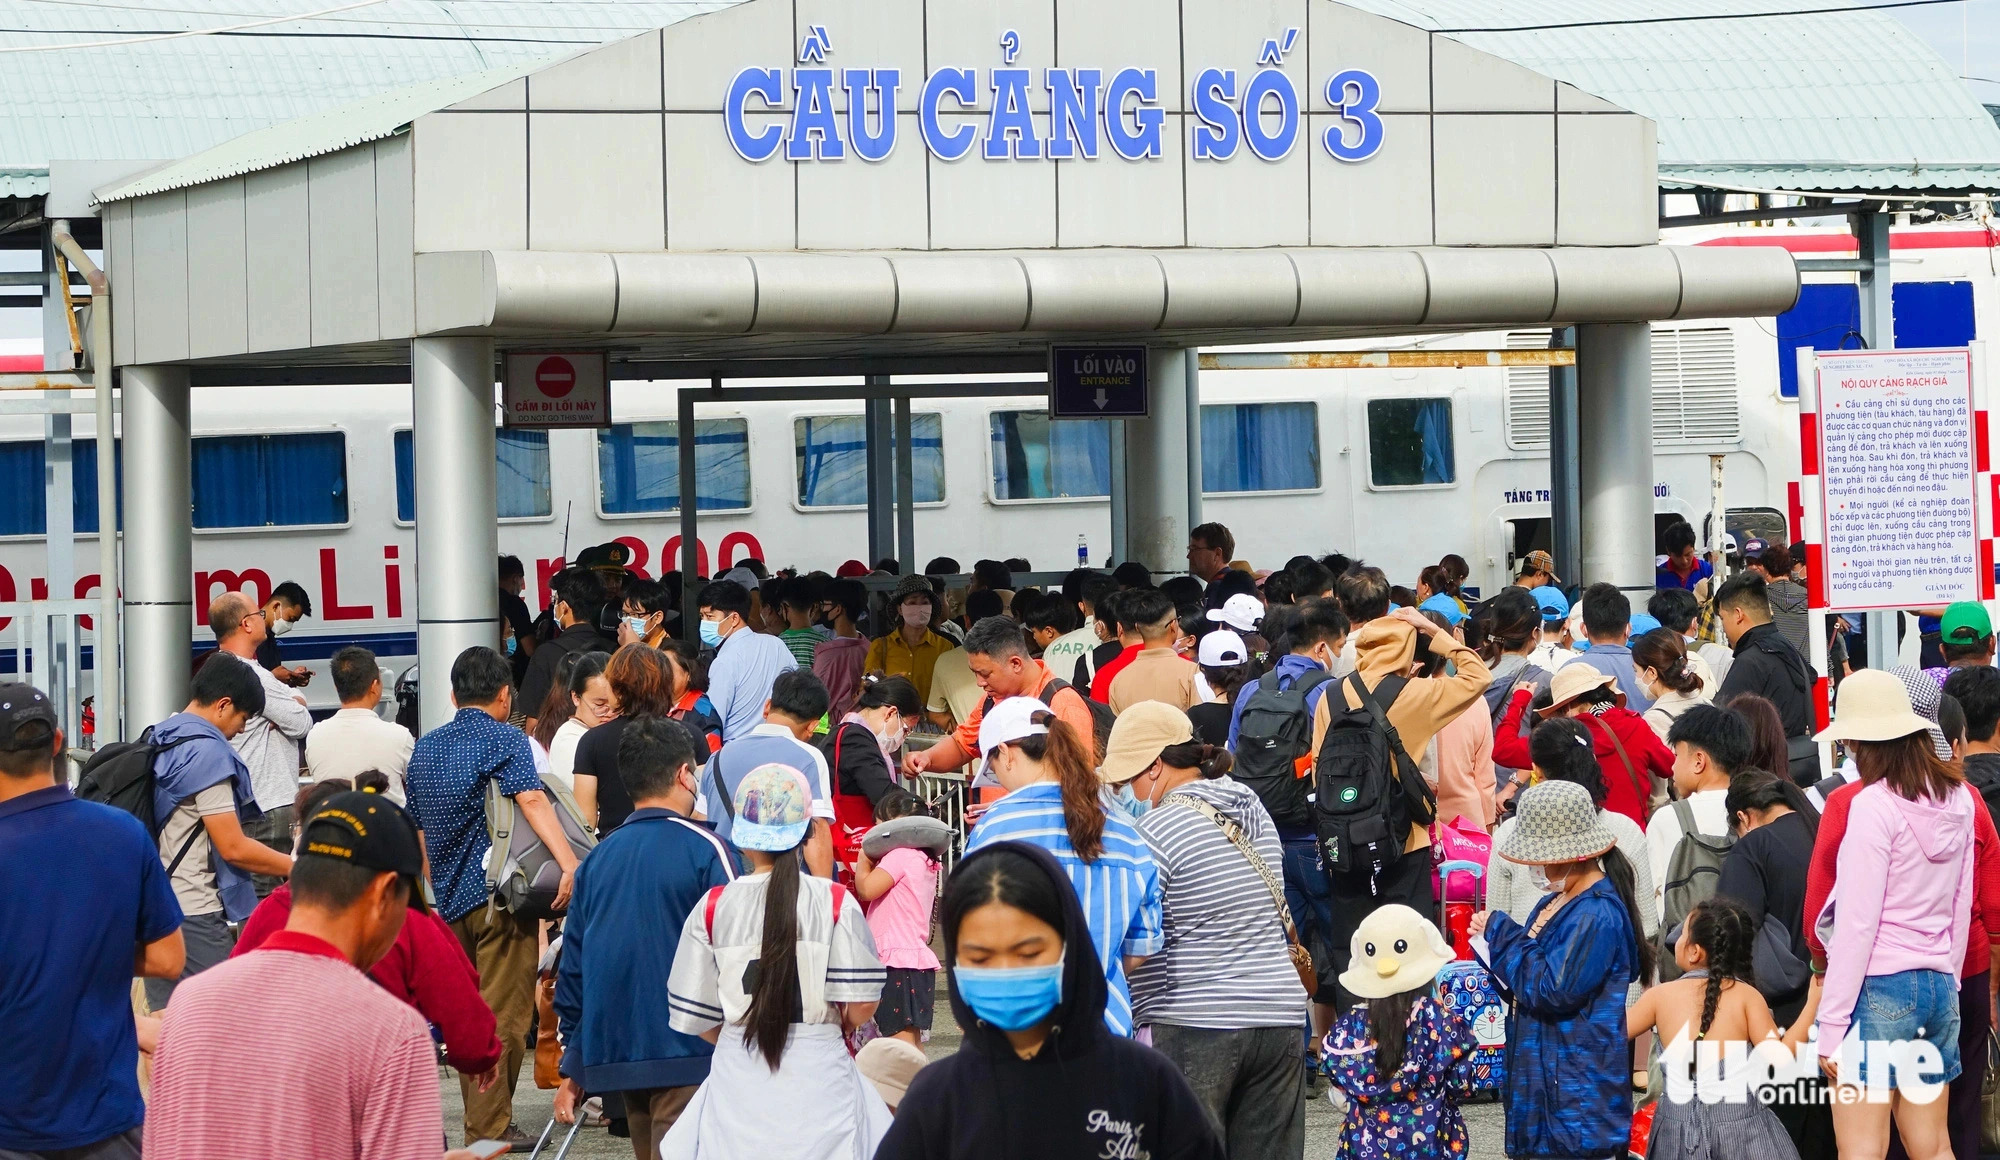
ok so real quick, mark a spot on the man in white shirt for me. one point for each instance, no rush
(269, 744)
(1064, 651)
(356, 740)
(1710, 744)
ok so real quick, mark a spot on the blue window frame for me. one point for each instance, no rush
(638, 466)
(523, 475)
(831, 454)
(1035, 457)
(270, 481)
(21, 468)
(1410, 443)
(1259, 447)
(1827, 316)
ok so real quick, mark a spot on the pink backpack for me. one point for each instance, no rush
(1460, 840)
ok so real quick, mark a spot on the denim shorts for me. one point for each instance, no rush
(1906, 1007)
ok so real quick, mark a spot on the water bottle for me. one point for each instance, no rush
(1082, 551)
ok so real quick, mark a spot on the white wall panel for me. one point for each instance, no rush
(863, 205)
(596, 182)
(961, 35)
(704, 53)
(1115, 202)
(623, 75)
(159, 232)
(1494, 179)
(341, 198)
(471, 181)
(1465, 80)
(1606, 191)
(985, 205)
(1398, 55)
(1384, 201)
(275, 225)
(718, 201)
(218, 284)
(395, 239)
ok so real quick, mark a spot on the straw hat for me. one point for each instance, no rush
(1873, 706)
(1395, 949)
(1556, 821)
(1575, 679)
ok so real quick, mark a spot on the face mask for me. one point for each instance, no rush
(508, 645)
(1010, 998)
(280, 627)
(711, 634)
(891, 738)
(1540, 877)
(916, 615)
(638, 626)
(1133, 803)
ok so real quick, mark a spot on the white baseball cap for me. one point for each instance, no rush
(1222, 647)
(1009, 720)
(1240, 612)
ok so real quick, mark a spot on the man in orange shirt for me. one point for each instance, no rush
(996, 649)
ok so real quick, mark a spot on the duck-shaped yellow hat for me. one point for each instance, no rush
(1395, 950)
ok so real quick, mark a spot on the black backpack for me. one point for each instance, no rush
(1367, 791)
(1101, 715)
(120, 775)
(1273, 747)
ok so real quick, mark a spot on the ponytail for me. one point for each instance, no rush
(1083, 808)
(769, 1019)
(1619, 870)
(1662, 651)
(1212, 761)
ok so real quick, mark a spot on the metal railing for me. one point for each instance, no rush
(41, 643)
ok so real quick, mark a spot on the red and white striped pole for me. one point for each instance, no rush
(1983, 495)
(1812, 520)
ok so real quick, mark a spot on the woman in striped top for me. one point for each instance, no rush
(1222, 998)
(1054, 801)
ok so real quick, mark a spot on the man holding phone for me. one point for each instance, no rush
(342, 1068)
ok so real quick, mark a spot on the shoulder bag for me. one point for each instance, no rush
(1302, 960)
(1593, 724)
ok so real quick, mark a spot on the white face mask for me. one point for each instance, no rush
(280, 627)
(916, 615)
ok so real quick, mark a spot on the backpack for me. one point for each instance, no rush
(1274, 748)
(1101, 715)
(120, 775)
(1367, 791)
(1692, 871)
(521, 875)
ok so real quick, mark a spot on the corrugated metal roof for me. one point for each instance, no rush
(174, 98)
(1834, 101)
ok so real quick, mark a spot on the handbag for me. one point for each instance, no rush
(1302, 960)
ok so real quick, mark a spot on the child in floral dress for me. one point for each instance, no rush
(1402, 1059)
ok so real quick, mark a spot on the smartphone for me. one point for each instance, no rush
(487, 1149)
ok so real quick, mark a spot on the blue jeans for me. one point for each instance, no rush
(1311, 900)
(1908, 1007)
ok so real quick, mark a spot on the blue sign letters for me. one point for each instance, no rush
(1260, 110)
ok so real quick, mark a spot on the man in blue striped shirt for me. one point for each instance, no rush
(1118, 885)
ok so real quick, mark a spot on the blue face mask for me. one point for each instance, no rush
(1010, 998)
(711, 634)
(509, 644)
(638, 626)
(1133, 803)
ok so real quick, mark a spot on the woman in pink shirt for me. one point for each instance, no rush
(1900, 914)
(899, 892)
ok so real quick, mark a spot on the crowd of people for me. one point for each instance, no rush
(1205, 864)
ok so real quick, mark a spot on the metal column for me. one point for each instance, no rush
(458, 599)
(1878, 332)
(690, 544)
(1157, 473)
(1192, 418)
(159, 545)
(58, 481)
(1614, 375)
(1120, 506)
(1564, 539)
(881, 475)
(906, 488)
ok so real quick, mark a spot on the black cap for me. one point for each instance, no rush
(20, 707)
(611, 557)
(370, 831)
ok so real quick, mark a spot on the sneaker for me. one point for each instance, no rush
(514, 1135)
(593, 1112)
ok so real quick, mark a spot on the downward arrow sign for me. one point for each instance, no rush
(1100, 400)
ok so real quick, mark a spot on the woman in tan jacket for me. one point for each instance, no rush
(1385, 647)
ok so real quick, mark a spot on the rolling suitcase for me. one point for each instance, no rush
(1468, 991)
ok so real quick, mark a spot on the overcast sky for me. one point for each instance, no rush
(1967, 36)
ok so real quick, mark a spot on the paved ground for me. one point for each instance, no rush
(531, 1110)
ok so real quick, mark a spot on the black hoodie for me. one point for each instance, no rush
(1086, 1095)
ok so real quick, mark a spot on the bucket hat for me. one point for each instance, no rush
(1573, 681)
(1873, 706)
(1556, 821)
(1394, 950)
(1137, 738)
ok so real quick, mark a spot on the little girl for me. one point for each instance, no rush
(1715, 1002)
(1402, 1059)
(898, 893)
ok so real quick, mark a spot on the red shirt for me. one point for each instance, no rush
(427, 969)
(1100, 685)
(1649, 756)
(1980, 937)
(292, 1052)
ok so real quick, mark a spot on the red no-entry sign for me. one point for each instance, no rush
(546, 388)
